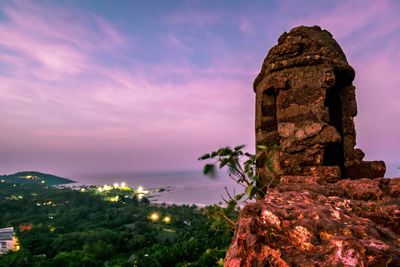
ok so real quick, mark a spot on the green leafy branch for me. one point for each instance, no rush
(242, 168)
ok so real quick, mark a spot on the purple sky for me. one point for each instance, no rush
(116, 86)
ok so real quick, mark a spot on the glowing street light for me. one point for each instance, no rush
(123, 184)
(167, 219)
(154, 216)
(107, 187)
(140, 190)
(116, 184)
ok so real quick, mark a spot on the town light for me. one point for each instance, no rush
(167, 219)
(154, 216)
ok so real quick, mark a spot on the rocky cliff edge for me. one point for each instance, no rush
(307, 221)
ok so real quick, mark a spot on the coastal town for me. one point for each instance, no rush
(43, 225)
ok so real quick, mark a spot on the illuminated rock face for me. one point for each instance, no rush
(307, 221)
(305, 103)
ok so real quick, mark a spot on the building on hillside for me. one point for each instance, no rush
(8, 241)
(25, 227)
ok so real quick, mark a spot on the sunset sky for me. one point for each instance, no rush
(117, 86)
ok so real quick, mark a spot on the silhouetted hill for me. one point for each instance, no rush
(35, 177)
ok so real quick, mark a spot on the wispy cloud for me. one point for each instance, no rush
(51, 41)
(56, 91)
(349, 17)
(357, 24)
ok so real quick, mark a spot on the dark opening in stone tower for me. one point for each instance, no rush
(334, 153)
(269, 110)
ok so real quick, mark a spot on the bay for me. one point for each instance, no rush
(181, 187)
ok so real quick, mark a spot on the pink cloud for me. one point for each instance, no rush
(135, 104)
(347, 18)
(53, 42)
(56, 103)
(61, 24)
(378, 103)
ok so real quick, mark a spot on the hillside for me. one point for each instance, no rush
(29, 177)
(66, 227)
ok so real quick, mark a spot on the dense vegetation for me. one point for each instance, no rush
(31, 177)
(65, 227)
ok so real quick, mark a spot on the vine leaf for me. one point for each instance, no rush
(209, 169)
(250, 191)
(205, 156)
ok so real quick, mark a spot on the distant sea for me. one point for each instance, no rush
(184, 187)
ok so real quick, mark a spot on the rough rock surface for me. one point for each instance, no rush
(305, 103)
(307, 221)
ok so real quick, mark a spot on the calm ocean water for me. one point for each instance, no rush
(186, 187)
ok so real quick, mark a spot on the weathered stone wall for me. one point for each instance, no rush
(306, 221)
(305, 103)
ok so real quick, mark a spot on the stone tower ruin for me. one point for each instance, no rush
(305, 104)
